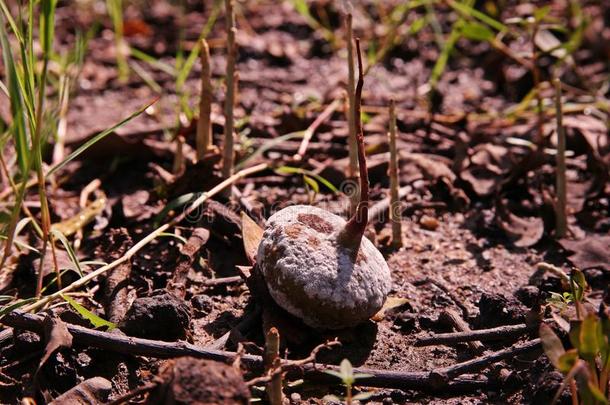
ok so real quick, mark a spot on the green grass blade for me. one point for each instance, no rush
(95, 320)
(268, 145)
(175, 203)
(11, 21)
(71, 254)
(186, 67)
(153, 62)
(298, 170)
(16, 305)
(98, 137)
(47, 25)
(17, 109)
(468, 11)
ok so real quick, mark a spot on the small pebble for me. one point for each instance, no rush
(429, 223)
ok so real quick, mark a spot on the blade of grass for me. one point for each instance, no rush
(98, 137)
(153, 62)
(185, 68)
(18, 128)
(71, 254)
(468, 11)
(304, 172)
(268, 145)
(11, 21)
(95, 320)
(150, 237)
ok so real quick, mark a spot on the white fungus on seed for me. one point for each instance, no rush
(313, 277)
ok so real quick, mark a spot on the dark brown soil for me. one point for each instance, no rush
(477, 216)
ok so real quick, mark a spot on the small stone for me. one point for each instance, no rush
(497, 310)
(195, 381)
(202, 303)
(429, 223)
(528, 295)
(164, 317)
(26, 341)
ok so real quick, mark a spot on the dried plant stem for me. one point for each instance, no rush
(149, 238)
(536, 74)
(272, 361)
(351, 80)
(227, 165)
(395, 211)
(204, 124)
(560, 206)
(308, 133)
(62, 125)
(351, 235)
(179, 156)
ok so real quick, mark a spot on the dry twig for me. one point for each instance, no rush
(150, 237)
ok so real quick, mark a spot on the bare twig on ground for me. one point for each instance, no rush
(484, 361)
(454, 319)
(418, 380)
(150, 237)
(499, 333)
(328, 111)
(189, 252)
(213, 282)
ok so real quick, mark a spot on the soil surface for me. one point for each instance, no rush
(476, 167)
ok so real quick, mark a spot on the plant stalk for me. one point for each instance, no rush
(561, 223)
(395, 212)
(272, 362)
(227, 165)
(351, 80)
(179, 156)
(204, 124)
(351, 235)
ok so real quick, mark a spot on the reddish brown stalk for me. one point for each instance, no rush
(351, 235)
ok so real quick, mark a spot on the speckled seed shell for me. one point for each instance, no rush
(312, 277)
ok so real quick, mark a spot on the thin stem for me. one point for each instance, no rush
(395, 214)
(227, 166)
(204, 124)
(560, 209)
(351, 235)
(179, 156)
(150, 237)
(272, 362)
(352, 141)
(536, 74)
(45, 215)
(311, 129)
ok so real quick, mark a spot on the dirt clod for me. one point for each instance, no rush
(203, 382)
(164, 317)
(496, 310)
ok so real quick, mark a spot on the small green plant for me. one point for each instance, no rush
(115, 10)
(585, 366)
(347, 376)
